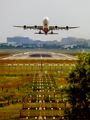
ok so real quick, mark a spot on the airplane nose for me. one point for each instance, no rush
(45, 23)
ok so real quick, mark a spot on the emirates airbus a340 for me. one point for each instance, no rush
(45, 28)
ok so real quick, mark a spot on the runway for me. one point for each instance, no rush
(40, 55)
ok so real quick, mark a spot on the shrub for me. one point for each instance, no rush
(1, 98)
(1, 105)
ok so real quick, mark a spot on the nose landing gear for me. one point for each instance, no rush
(45, 33)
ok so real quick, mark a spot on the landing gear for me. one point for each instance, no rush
(45, 33)
(51, 32)
(40, 32)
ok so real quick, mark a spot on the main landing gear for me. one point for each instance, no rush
(40, 32)
(51, 32)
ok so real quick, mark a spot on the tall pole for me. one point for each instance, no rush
(41, 64)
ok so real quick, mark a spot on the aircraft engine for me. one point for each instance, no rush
(56, 27)
(24, 26)
(67, 28)
(35, 26)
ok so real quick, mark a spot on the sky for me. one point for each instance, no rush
(32, 12)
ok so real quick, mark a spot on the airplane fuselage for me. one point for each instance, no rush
(46, 25)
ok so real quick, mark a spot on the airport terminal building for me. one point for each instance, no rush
(19, 40)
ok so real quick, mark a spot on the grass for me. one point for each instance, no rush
(10, 111)
(18, 81)
(5, 54)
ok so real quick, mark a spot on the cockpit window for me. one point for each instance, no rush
(45, 23)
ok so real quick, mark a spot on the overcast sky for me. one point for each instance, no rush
(31, 12)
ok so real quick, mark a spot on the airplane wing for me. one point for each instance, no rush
(57, 28)
(31, 27)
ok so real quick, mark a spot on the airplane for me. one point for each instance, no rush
(46, 28)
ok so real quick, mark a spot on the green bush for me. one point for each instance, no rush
(6, 97)
(20, 101)
(1, 105)
(1, 98)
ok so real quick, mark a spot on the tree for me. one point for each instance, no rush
(78, 90)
